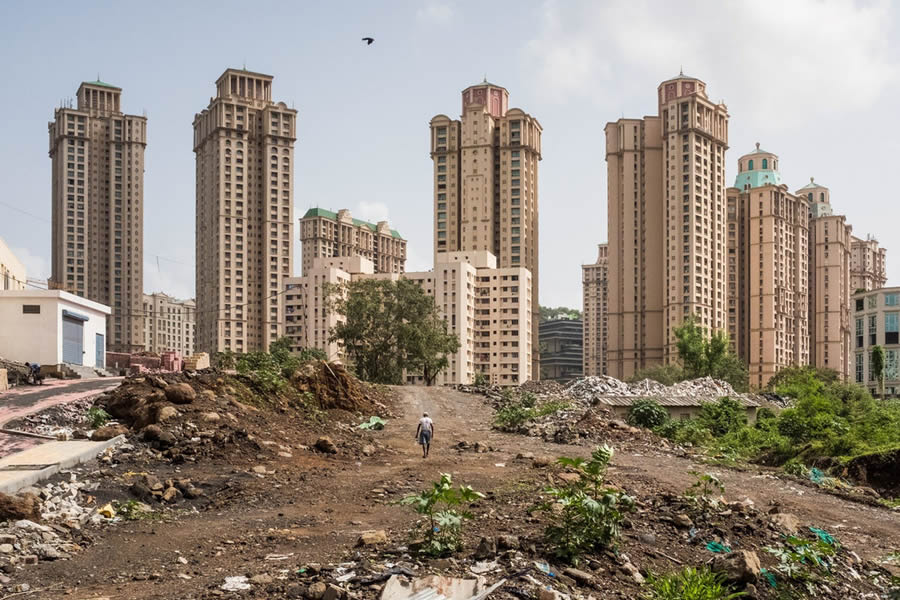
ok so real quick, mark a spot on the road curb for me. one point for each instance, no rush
(23, 479)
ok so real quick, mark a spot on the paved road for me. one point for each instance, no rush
(27, 399)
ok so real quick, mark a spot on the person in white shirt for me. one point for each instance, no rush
(424, 433)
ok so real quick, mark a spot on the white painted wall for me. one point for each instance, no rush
(38, 337)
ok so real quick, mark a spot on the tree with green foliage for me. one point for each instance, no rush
(878, 366)
(389, 327)
(703, 355)
(443, 523)
(561, 312)
(790, 374)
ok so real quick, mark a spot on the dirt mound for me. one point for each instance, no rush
(333, 386)
(881, 470)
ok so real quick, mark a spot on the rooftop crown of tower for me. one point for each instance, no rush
(494, 98)
(757, 168)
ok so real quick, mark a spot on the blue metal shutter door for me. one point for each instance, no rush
(73, 341)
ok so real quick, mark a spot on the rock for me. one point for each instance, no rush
(209, 396)
(211, 417)
(368, 450)
(46, 551)
(541, 462)
(570, 477)
(295, 591)
(372, 538)
(170, 495)
(648, 539)
(786, 522)
(633, 571)
(166, 413)
(180, 393)
(6, 548)
(261, 579)
(30, 559)
(683, 521)
(324, 444)
(13, 508)
(155, 433)
(525, 456)
(108, 432)
(487, 548)
(153, 482)
(579, 576)
(140, 491)
(316, 591)
(332, 592)
(740, 566)
(260, 470)
(507, 542)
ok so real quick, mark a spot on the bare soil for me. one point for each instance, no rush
(311, 507)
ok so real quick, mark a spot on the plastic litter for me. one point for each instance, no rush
(824, 536)
(816, 475)
(717, 547)
(484, 566)
(107, 511)
(769, 576)
(374, 423)
(544, 568)
(438, 588)
(235, 584)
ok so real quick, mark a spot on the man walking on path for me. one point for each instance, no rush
(424, 433)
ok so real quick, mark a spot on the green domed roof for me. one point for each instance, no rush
(813, 185)
(757, 178)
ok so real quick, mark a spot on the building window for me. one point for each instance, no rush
(860, 304)
(890, 299)
(765, 163)
(750, 165)
(31, 309)
(859, 367)
(872, 301)
(892, 328)
(873, 330)
(859, 333)
(891, 358)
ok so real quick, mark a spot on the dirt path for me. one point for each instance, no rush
(313, 507)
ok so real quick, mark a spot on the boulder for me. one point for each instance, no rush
(108, 432)
(316, 591)
(581, 577)
(368, 450)
(683, 521)
(324, 444)
(208, 396)
(165, 413)
(210, 417)
(180, 393)
(541, 462)
(507, 542)
(155, 433)
(740, 566)
(487, 548)
(372, 538)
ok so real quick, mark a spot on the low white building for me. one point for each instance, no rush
(52, 327)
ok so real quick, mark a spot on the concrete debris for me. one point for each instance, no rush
(590, 388)
(235, 584)
(449, 588)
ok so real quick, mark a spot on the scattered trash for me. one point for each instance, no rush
(544, 568)
(107, 511)
(374, 423)
(500, 464)
(235, 584)
(816, 476)
(484, 566)
(717, 547)
(345, 577)
(769, 576)
(435, 587)
(282, 557)
(824, 536)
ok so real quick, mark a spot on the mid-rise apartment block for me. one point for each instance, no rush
(97, 154)
(562, 349)
(867, 264)
(768, 269)
(876, 322)
(488, 308)
(12, 271)
(486, 184)
(244, 147)
(829, 281)
(595, 311)
(326, 234)
(169, 324)
(667, 219)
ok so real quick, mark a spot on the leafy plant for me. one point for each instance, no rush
(586, 516)
(706, 486)
(516, 410)
(690, 584)
(724, 416)
(97, 417)
(374, 423)
(443, 533)
(132, 510)
(648, 413)
(481, 379)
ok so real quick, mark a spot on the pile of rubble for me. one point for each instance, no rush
(591, 388)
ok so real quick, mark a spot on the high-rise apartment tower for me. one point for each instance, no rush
(244, 146)
(326, 234)
(768, 269)
(867, 265)
(667, 217)
(486, 187)
(595, 311)
(98, 208)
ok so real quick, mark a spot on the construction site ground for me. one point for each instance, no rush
(311, 507)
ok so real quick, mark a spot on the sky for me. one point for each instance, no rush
(815, 82)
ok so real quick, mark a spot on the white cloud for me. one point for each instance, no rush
(36, 266)
(371, 211)
(435, 12)
(788, 61)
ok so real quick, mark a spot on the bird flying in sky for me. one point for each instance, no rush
(368, 40)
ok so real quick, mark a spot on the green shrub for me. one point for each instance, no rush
(686, 431)
(515, 410)
(97, 417)
(585, 515)
(690, 584)
(481, 379)
(443, 526)
(706, 486)
(726, 415)
(648, 413)
(803, 560)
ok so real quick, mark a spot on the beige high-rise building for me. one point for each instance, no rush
(97, 225)
(829, 281)
(667, 217)
(168, 324)
(768, 269)
(12, 271)
(595, 313)
(867, 265)
(486, 185)
(244, 146)
(326, 234)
